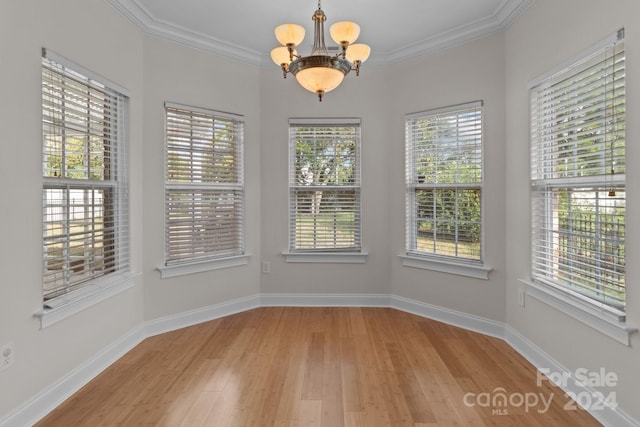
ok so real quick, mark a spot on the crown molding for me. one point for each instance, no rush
(504, 15)
(142, 18)
(500, 20)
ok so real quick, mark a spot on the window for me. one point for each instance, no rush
(85, 201)
(578, 179)
(324, 185)
(204, 186)
(444, 183)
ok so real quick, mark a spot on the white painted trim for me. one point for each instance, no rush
(452, 317)
(315, 121)
(443, 110)
(52, 396)
(601, 321)
(91, 75)
(477, 271)
(575, 61)
(199, 267)
(325, 300)
(201, 315)
(506, 13)
(142, 18)
(67, 305)
(541, 360)
(327, 257)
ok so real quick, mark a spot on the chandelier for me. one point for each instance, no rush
(320, 72)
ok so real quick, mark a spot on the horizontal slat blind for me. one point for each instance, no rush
(444, 182)
(577, 123)
(204, 185)
(578, 178)
(324, 184)
(85, 200)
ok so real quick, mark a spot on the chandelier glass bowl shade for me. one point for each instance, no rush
(319, 72)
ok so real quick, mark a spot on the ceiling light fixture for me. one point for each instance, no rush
(320, 72)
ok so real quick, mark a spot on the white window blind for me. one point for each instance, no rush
(85, 200)
(444, 182)
(324, 185)
(578, 178)
(204, 184)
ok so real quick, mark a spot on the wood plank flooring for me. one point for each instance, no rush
(332, 367)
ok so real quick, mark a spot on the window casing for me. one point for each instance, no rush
(85, 189)
(578, 179)
(324, 185)
(444, 173)
(204, 187)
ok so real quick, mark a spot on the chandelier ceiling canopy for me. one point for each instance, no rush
(320, 72)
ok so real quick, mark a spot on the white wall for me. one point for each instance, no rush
(470, 72)
(175, 73)
(548, 34)
(381, 96)
(44, 356)
(495, 69)
(362, 97)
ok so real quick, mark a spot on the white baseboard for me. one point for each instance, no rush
(456, 318)
(325, 300)
(542, 361)
(52, 396)
(194, 317)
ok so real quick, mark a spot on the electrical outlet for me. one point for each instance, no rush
(521, 297)
(266, 267)
(7, 356)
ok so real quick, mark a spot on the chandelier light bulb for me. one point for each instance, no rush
(289, 34)
(358, 52)
(344, 31)
(319, 79)
(280, 55)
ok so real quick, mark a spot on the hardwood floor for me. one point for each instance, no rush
(319, 366)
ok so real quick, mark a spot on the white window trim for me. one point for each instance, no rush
(200, 267)
(329, 255)
(470, 269)
(100, 289)
(602, 318)
(452, 265)
(326, 257)
(209, 264)
(605, 319)
(64, 306)
(86, 72)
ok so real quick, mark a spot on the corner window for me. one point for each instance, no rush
(578, 179)
(204, 187)
(444, 183)
(84, 194)
(324, 185)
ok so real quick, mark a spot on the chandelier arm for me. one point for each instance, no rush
(344, 46)
(356, 66)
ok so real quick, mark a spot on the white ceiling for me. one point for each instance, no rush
(395, 29)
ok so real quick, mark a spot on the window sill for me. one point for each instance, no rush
(199, 267)
(64, 306)
(326, 257)
(477, 271)
(600, 319)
